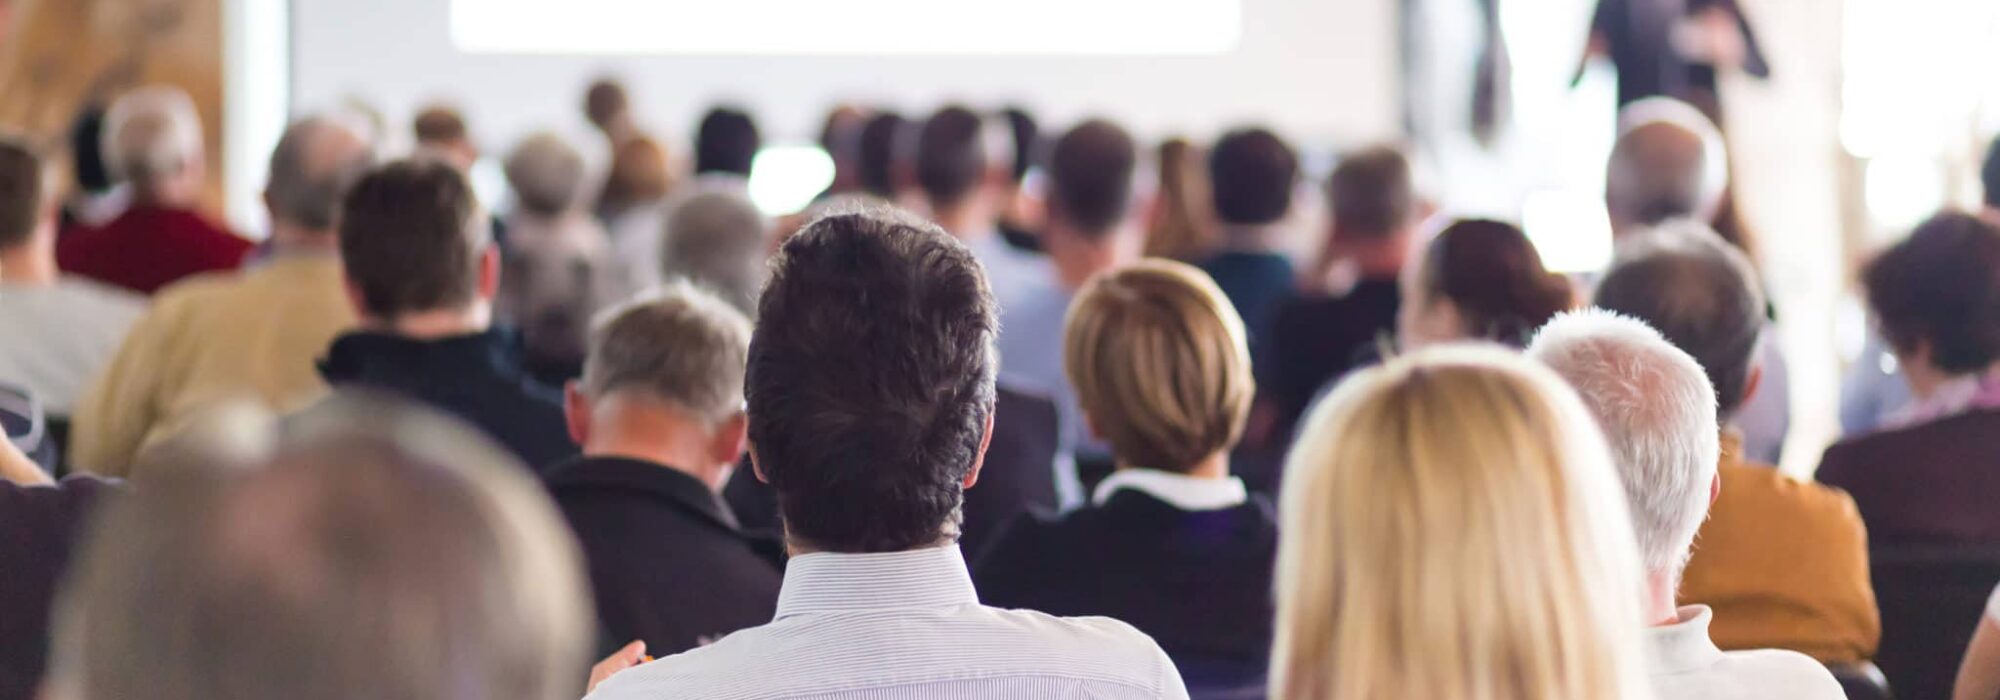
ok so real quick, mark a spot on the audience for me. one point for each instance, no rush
(1453, 531)
(716, 240)
(381, 552)
(251, 335)
(1021, 214)
(1478, 280)
(61, 329)
(878, 158)
(1918, 481)
(964, 180)
(1782, 562)
(636, 186)
(441, 132)
(1182, 222)
(1162, 369)
(659, 413)
(1323, 333)
(1251, 173)
(869, 452)
(422, 272)
(609, 109)
(840, 137)
(726, 144)
(153, 143)
(1658, 413)
(557, 265)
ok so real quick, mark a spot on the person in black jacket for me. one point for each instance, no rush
(1171, 542)
(659, 413)
(423, 271)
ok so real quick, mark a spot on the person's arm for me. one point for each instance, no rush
(15, 467)
(632, 655)
(1979, 674)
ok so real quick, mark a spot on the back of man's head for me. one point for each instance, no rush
(1699, 292)
(1668, 163)
(411, 238)
(1658, 416)
(880, 151)
(1026, 135)
(439, 125)
(717, 240)
(393, 555)
(1989, 175)
(953, 155)
(1090, 176)
(1251, 173)
(1371, 193)
(683, 347)
(151, 136)
(605, 103)
(871, 382)
(727, 143)
(547, 174)
(314, 164)
(24, 192)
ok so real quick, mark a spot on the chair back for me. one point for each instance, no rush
(1931, 599)
(1862, 681)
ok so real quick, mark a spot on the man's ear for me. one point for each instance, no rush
(756, 468)
(355, 298)
(727, 444)
(1751, 384)
(576, 412)
(1714, 489)
(979, 460)
(489, 273)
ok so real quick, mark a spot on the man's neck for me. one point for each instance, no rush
(435, 325)
(31, 264)
(969, 221)
(1077, 257)
(1662, 607)
(291, 238)
(1251, 238)
(650, 431)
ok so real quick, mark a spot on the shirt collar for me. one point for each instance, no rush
(1178, 490)
(933, 577)
(1959, 395)
(1683, 645)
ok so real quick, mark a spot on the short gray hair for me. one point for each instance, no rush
(1668, 162)
(150, 134)
(682, 346)
(315, 162)
(383, 551)
(717, 240)
(547, 174)
(1657, 412)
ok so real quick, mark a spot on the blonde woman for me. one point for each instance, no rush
(1171, 542)
(1454, 531)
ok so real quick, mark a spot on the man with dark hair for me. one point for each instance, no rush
(1020, 222)
(1252, 173)
(608, 108)
(441, 130)
(878, 154)
(964, 175)
(249, 335)
(726, 144)
(870, 452)
(1702, 295)
(61, 329)
(422, 271)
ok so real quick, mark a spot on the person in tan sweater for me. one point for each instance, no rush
(246, 336)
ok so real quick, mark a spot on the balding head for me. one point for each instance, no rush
(152, 139)
(1668, 163)
(1701, 293)
(547, 174)
(382, 552)
(314, 164)
(1658, 415)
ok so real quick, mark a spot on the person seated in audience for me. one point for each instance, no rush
(61, 329)
(964, 178)
(1782, 562)
(1658, 413)
(840, 138)
(1669, 162)
(659, 413)
(380, 552)
(40, 521)
(870, 399)
(1453, 530)
(726, 144)
(1251, 174)
(1352, 295)
(636, 188)
(1181, 225)
(422, 272)
(1171, 543)
(440, 131)
(557, 268)
(153, 143)
(1021, 212)
(250, 335)
(1478, 279)
(94, 198)
(608, 108)
(716, 241)
(1937, 298)
(878, 160)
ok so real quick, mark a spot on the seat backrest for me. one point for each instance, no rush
(1931, 600)
(1862, 681)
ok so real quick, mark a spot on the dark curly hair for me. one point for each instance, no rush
(1941, 288)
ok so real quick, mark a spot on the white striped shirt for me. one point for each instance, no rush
(906, 625)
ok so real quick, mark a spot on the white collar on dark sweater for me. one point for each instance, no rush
(1178, 490)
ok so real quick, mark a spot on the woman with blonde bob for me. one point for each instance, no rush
(1454, 531)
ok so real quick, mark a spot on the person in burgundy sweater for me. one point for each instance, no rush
(153, 143)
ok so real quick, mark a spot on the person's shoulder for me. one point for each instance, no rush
(1920, 445)
(99, 301)
(1100, 639)
(1784, 673)
(728, 664)
(199, 290)
(1772, 489)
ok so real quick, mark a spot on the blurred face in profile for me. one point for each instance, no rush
(1424, 318)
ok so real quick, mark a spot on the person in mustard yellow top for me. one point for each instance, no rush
(1783, 562)
(225, 338)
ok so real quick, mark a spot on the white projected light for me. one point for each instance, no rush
(784, 179)
(1570, 229)
(848, 27)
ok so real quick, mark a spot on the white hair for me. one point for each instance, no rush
(547, 174)
(150, 134)
(1658, 412)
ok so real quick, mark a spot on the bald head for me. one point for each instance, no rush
(315, 162)
(1668, 163)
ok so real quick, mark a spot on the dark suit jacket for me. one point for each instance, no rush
(1198, 582)
(476, 378)
(39, 526)
(667, 563)
(1018, 477)
(1932, 483)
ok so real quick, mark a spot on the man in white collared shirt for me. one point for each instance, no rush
(1658, 412)
(870, 395)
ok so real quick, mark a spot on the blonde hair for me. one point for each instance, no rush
(1453, 531)
(1160, 364)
